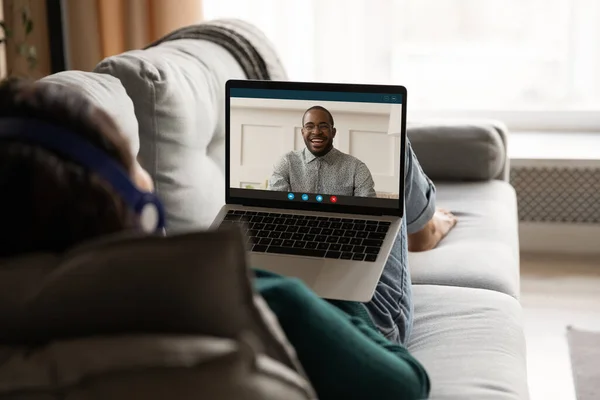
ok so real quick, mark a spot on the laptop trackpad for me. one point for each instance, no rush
(305, 269)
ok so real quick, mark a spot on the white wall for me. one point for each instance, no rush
(302, 105)
(262, 130)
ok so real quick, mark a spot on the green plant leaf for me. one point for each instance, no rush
(28, 52)
(24, 15)
(26, 20)
(28, 27)
(6, 29)
(32, 58)
(22, 50)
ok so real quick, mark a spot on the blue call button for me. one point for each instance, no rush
(319, 198)
(291, 196)
(305, 197)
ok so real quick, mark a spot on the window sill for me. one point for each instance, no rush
(555, 146)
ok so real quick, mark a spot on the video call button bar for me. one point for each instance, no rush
(353, 97)
(291, 198)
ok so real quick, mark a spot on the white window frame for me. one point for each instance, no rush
(519, 121)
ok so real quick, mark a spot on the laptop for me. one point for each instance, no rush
(314, 178)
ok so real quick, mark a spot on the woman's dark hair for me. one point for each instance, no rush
(48, 202)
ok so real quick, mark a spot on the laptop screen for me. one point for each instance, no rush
(316, 146)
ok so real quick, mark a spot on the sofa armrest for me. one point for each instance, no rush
(461, 150)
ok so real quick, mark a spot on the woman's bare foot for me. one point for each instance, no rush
(432, 234)
(444, 221)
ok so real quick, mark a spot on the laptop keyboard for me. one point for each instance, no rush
(311, 236)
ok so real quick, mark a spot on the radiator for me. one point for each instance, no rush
(555, 193)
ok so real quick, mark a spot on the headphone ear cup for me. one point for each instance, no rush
(148, 218)
(150, 214)
(148, 208)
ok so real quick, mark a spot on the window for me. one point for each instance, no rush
(516, 56)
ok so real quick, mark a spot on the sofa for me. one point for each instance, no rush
(468, 328)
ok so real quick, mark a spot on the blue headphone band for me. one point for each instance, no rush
(62, 141)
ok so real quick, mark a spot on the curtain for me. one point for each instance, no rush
(96, 29)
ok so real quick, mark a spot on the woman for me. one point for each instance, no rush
(348, 350)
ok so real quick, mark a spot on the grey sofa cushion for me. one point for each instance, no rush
(106, 92)
(456, 150)
(482, 251)
(471, 343)
(178, 93)
(150, 367)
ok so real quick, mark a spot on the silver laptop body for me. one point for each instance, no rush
(337, 243)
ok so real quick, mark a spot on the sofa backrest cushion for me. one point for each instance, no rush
(106, 92)
(456, 150)
(178, 93)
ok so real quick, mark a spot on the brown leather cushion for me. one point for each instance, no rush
(194, 283)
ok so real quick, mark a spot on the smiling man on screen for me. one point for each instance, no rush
(321, 168)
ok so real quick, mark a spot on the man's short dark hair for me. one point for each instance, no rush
(320, 108)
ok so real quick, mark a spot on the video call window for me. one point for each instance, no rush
(319, 147)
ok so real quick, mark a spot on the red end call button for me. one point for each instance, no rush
(333, 199)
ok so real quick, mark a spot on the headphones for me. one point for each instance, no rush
(62, 141)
